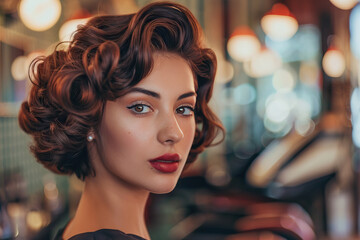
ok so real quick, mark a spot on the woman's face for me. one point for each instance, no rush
(145, 136)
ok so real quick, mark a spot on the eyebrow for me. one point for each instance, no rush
(157, 95)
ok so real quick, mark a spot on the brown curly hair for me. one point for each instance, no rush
(107, 56)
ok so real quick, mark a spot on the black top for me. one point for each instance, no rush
(102, 234)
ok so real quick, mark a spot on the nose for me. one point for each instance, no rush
(170, 131)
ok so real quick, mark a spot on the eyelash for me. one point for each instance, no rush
(192, 110)
(132, 108)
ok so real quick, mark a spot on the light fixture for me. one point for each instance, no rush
(333, 62)
(243, 44)
(344, 4)
(39, 15)
(279, 24)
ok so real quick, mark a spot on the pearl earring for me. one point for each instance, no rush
(90, 137)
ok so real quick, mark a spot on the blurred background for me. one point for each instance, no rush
(287, 91)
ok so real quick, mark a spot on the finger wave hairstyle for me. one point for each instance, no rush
(108, 56)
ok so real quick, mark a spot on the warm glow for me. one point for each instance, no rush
(319, 159)
(225, 72)
(39, 15)
(333, 63)
(309, 72)
(283, 80)
(279, 24)
(263, 63)
(69, 27)
(243, 44)
(19, 69)
(34, 220)
(269, 162)
(344, 4)
(50, 191)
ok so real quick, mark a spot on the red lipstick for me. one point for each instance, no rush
(167, 163)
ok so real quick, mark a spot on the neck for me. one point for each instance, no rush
(107, 204)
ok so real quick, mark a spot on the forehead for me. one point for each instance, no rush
(169, 70)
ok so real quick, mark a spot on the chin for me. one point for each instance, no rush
(163, 188)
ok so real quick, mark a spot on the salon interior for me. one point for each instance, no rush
(286, 90)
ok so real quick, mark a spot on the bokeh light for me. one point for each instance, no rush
(293, 49)
(333, 63)
(283, 80)
(69, 27)
(39, 15)
(278, 110)
(309, 72)
(19, 69)
(243, 44)
(263, 63)
(244, 94)
(344, 4)
(225, 72)
(304, 126)
(279, 24)
(35, 220)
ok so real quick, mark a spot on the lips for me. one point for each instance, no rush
(167, 163)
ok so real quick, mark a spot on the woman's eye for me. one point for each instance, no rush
(185, 110)
(140, 108)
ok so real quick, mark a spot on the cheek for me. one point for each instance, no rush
(135, 137)
(189, 133)
(124, 136)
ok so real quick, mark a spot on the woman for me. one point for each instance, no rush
(125, 108)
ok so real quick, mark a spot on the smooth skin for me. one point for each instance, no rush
(155, 118)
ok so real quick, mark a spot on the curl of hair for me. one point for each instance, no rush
(107, 56)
